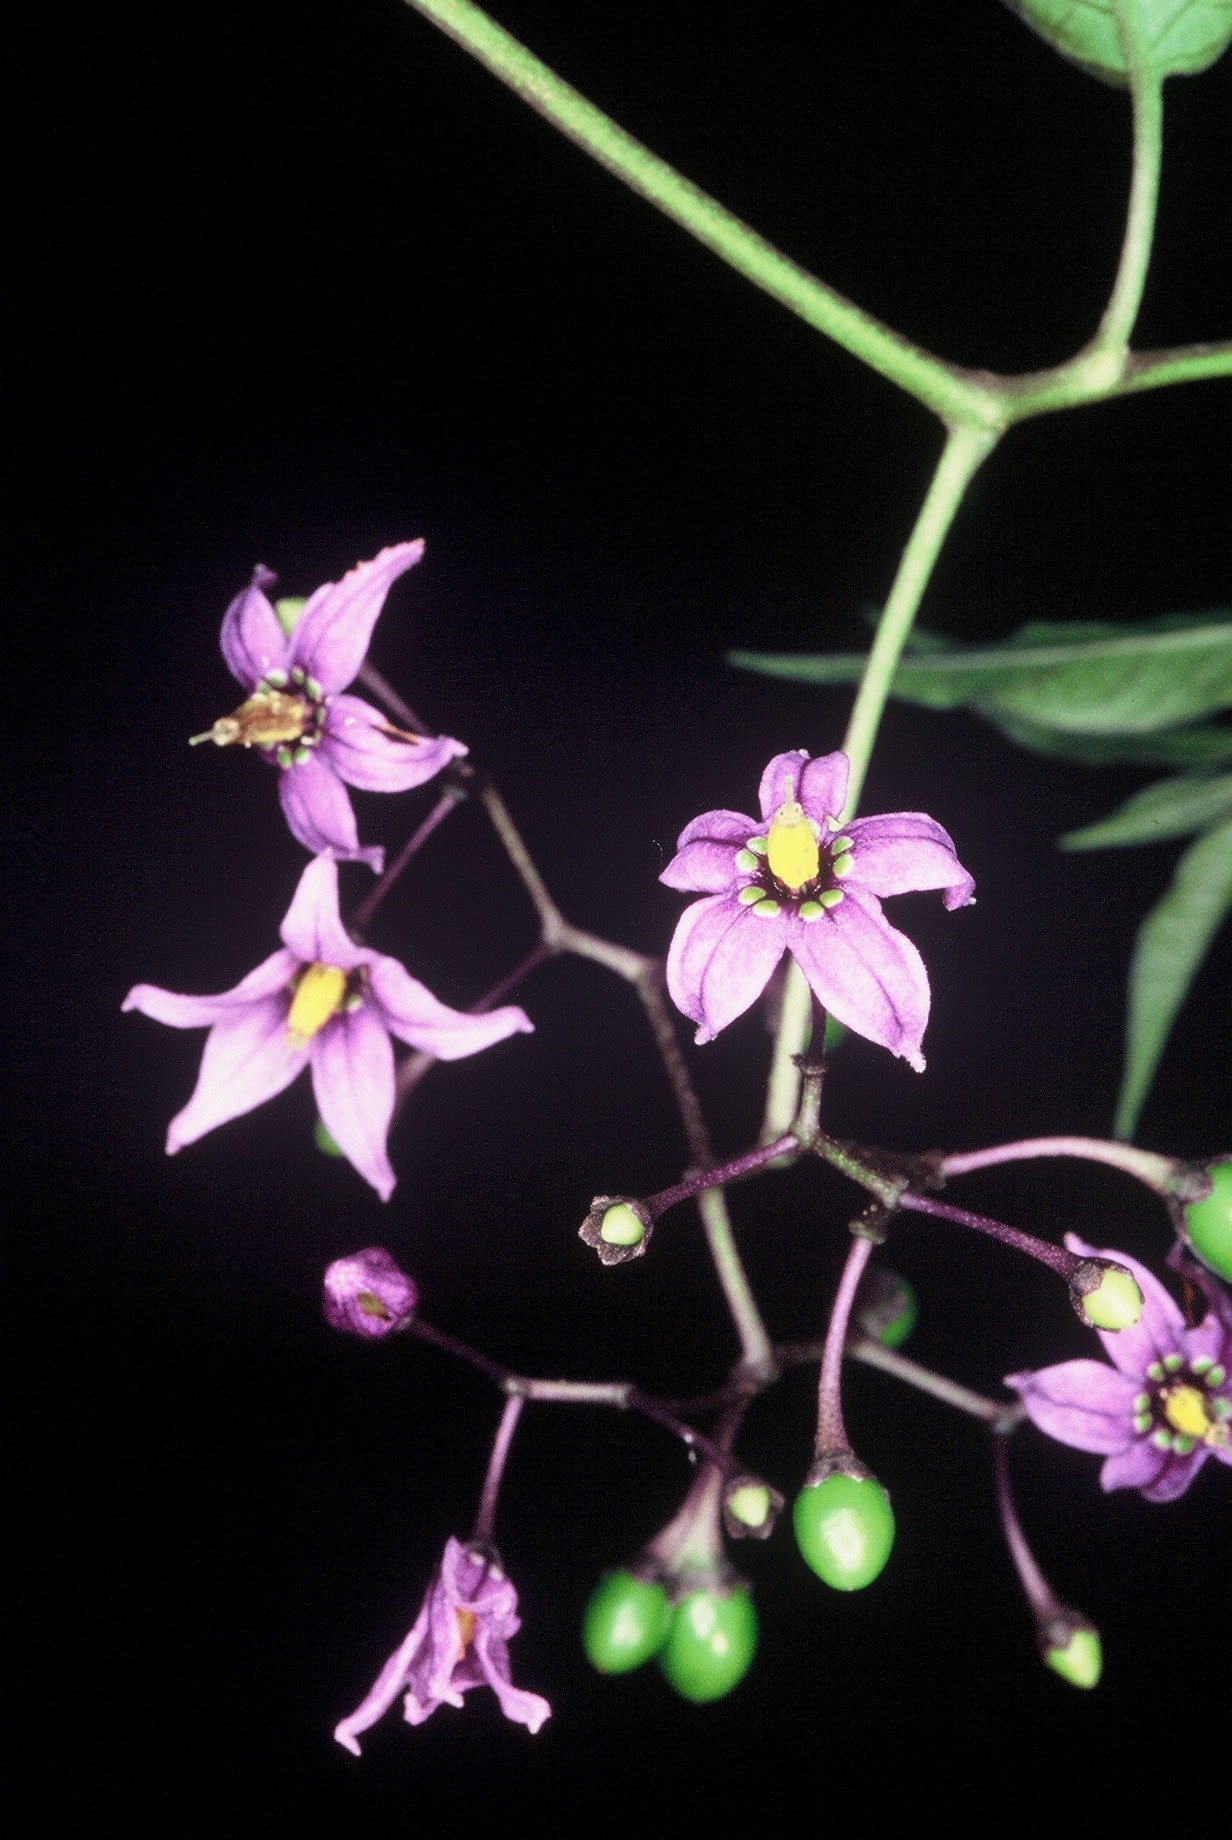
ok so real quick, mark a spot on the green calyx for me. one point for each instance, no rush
(1113, 1303)
(844, 1529)
(625, 1623)
(1080, 1660)
(710, 1645)
(620, 1226)
(323, 1141)
(1208, 1223)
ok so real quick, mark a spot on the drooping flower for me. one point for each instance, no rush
(801, 882)
(1159, 1411)
(369, 1293)
(460, 1639)
(321, 1002)
(295, 713)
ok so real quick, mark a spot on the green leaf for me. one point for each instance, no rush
(1173, 808)
(1208, 746)
(1093, 678)
(1180, 37)
(1171, 944)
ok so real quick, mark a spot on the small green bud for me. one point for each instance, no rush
(750, 1508)
(844, 1529)
(1106, 1296)
(710, 1645)
(617, 1228)
(1208, 1223)
(323, 1141)
(288, 610)
(886, 1308)
(1075, 1652)
(620, 1226)
(626, 1622)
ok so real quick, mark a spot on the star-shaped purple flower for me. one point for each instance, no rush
(460, 1640)
(801, 882)
(1159, 1411)
(324, 1002)
(294, 712)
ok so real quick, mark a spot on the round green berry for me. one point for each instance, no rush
(1209, 1222)
(626, 1622)
(620, 1226)
(844, 1529)
(1080, 1660)
(710, 1645)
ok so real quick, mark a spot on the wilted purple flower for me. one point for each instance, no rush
(369, 1293)
(460, 1640)
(800, 882)
(295, 715)
(322, 1002)
(1163, 1407)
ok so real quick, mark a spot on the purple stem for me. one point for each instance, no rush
(454, 795)
(831, 1431)
(1157, 1172)
(725, 1172)
(496, 1468)
(1045, 1605)
(1055, 1257)
(414, 1067)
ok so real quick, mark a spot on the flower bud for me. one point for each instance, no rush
(617, 1228)
(886, 1308)
(750, 1508)
(844, 1524)
(711, 1644)
(1071, 1647)
(368, 1293)
(1106, 1296)
(625, 1623)
(1208, 1223)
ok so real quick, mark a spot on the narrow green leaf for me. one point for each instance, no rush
(1171, 944)
(1181, 36)
(1207, 746)
(1093, 678)
(1173, 808)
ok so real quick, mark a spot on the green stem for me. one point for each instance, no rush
(939, 386)
(965, 450)
(1147, 91)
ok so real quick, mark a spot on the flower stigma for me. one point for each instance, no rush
(319, 995)
(466, 1626)
(791, 848)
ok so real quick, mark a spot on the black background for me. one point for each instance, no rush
(299, 281)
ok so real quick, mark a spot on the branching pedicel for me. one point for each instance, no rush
(804, 879)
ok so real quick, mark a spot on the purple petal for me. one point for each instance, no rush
(361, 750)
(1138, 1466)
(353, 1080)
(312, 928)
(780, 780)
(705, 862)
(271, 976)
(866, 974)
(720, 960)
(330, 640)
(318, 812)
(1159, 1331)
(387, 1686)
(248, 1058)
(823, 787)
(415, 1016)
(368, 1294)
(903, 852)
(1083, 1403)
(252, 640)
(492, 1654)
(1176, 1477)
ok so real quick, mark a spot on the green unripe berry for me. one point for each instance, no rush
(620, 1226)
(625, 1623)
(1209, 1222)
(750, 1504)
(324, 1141)
(844, 1529)
(1114, 1301)
(710, 1645)
(1080, 1660)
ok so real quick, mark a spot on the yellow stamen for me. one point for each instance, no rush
(1185, 1410)
(791, 848)
(466, 1623)
(318, 996)
(268, 718)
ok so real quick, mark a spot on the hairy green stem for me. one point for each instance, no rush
(1147, 92)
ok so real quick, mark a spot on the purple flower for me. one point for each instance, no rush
(369, 1293)
(322, 1002)
(460, 1640)
(1159, 1411)
(295, 715)
(801, 882)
